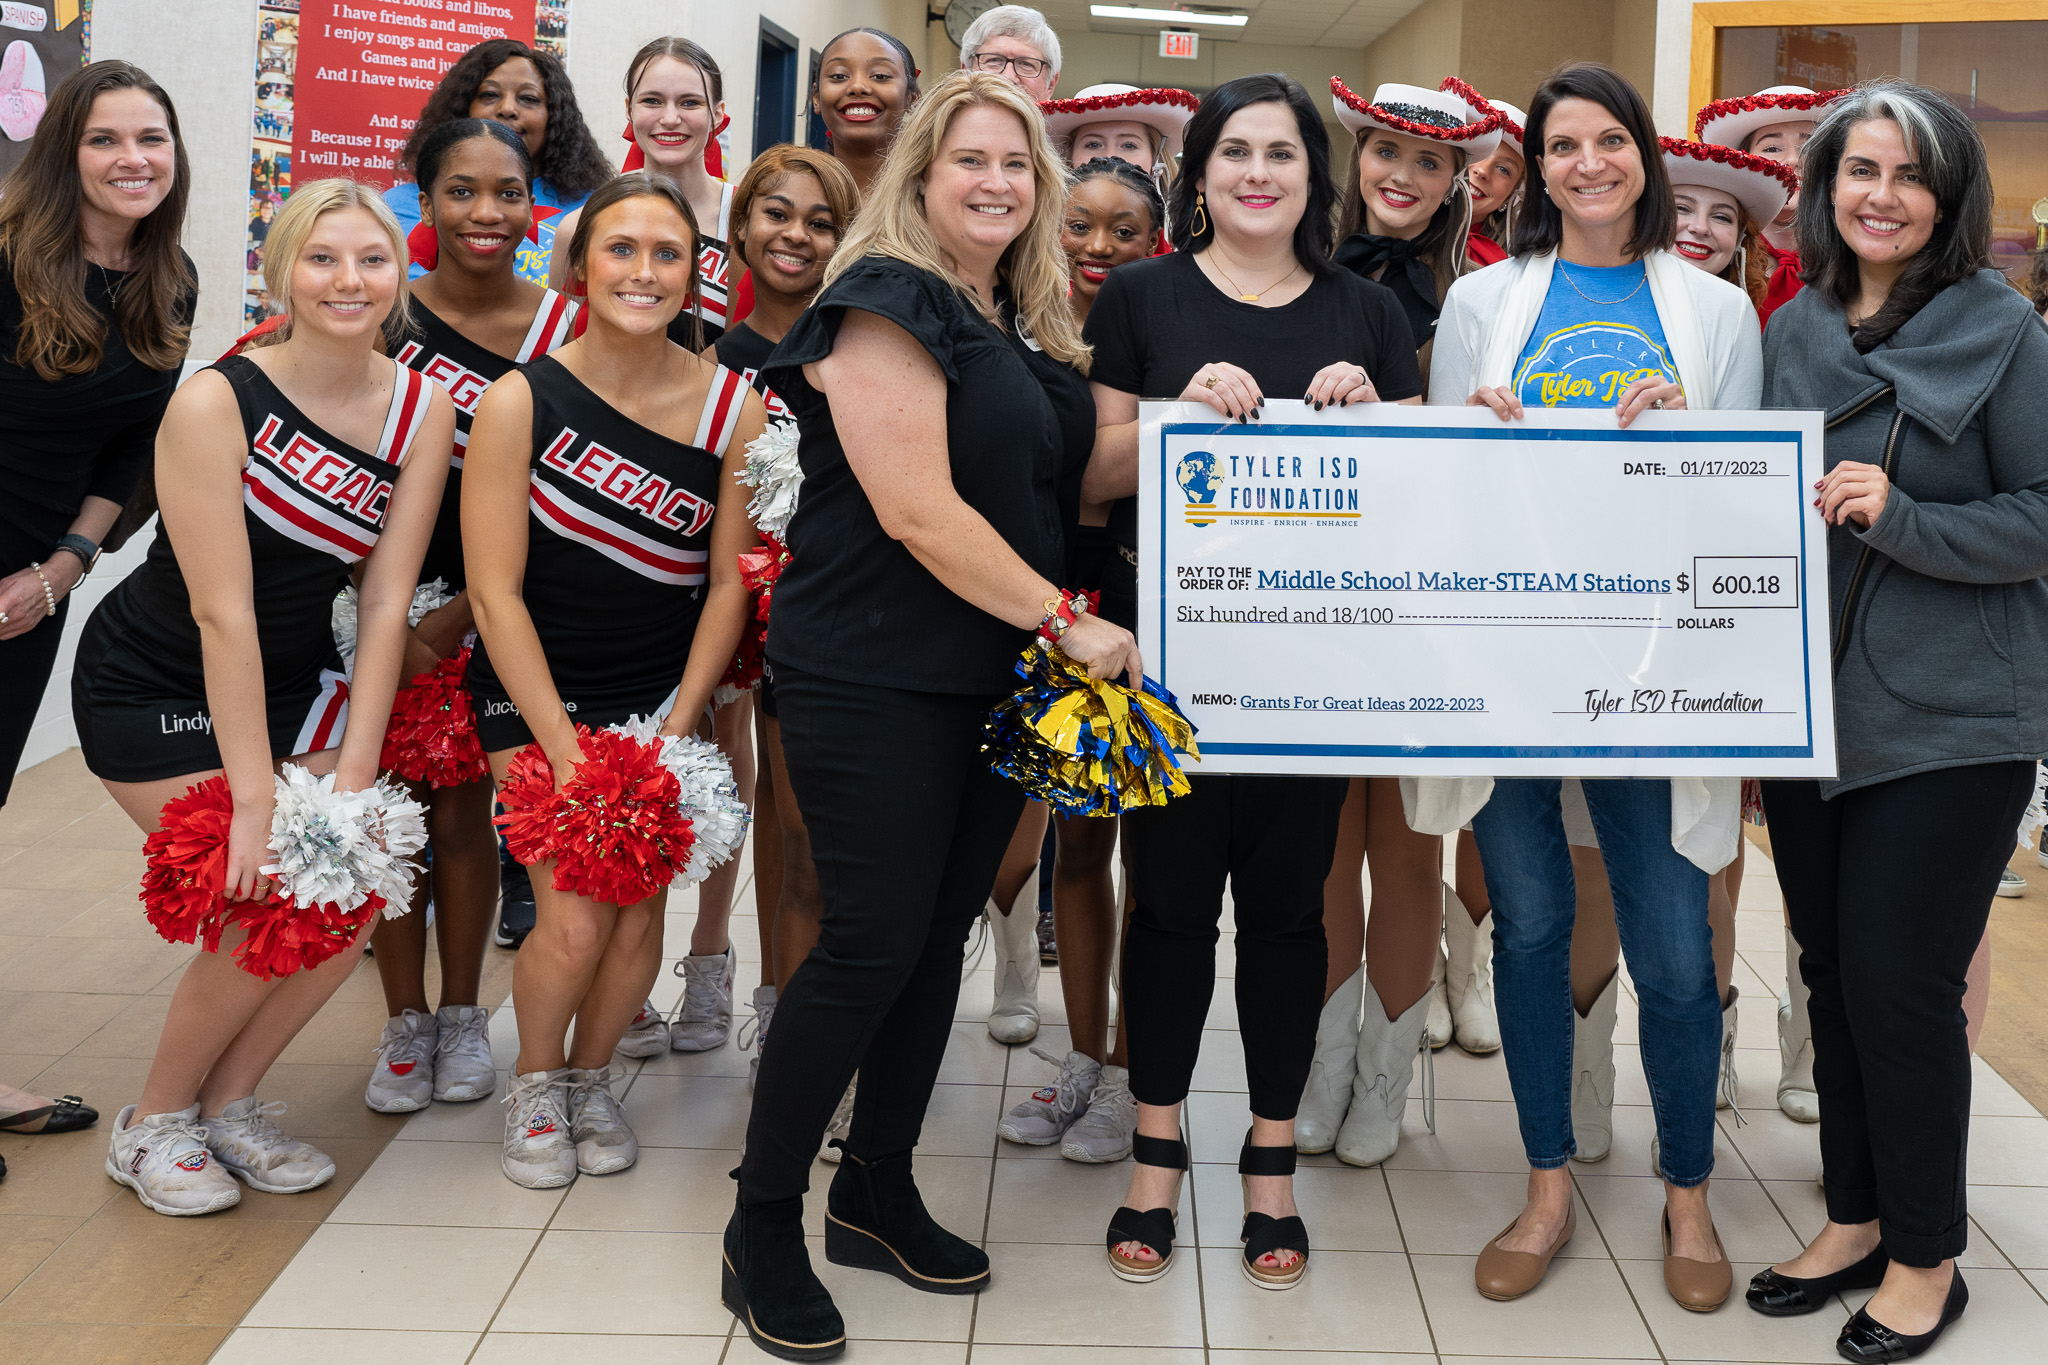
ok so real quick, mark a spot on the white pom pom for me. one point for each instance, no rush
(710, 798)
(775, 476)
(340, 846)
(725, 694)
(344, 625)
(428, 596)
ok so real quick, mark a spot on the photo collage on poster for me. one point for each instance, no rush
(41, 42)
(278, 25)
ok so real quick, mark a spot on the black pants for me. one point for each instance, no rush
(1273, 839)
(25, 665)
(1889, 888)
(908, 827)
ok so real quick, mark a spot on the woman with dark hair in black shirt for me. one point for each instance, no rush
(1249, 305)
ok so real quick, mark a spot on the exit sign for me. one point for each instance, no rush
(1173, 43)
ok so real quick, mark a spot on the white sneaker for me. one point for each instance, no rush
(597, 1123)
(2011, 883)
(841, 1124)
(1045, 1115)
(538, 1151)
(1014, 1018)
(165, 1160)
(704, 1020)
(647, 1035)
(754, 1032)
(1103, 1134)
(403, 1078)
(1593, 1076)
(251, 1147)
(462, 1056)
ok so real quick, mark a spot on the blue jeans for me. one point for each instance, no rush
(1660, 907)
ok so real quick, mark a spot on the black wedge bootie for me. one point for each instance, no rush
(876, 1220)
(767, 1282)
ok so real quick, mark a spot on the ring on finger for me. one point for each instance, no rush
(1657, 403)
(1210, 382)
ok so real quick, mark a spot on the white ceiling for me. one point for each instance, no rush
(1306, 23)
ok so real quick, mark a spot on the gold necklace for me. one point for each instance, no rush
(1251, 298)
(1604, 303)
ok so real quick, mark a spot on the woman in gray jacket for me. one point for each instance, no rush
(1933, 374)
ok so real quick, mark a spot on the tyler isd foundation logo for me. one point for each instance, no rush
(1196, 475)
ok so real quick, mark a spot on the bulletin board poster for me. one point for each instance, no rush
(41, 42)
(339, 84)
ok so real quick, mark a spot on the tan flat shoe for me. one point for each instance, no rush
(1504, 1275)
(1697, 1286)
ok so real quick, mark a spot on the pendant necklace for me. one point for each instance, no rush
(1243, 297)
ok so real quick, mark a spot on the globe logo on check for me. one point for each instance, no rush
(1196, 474)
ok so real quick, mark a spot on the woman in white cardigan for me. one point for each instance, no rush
(1592, 311)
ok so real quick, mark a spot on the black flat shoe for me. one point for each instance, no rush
(766, 1281)
(876, 1220)
(1781, 1296)
(1866, 1340)
(67, 1115)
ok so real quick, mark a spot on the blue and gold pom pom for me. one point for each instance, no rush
(1088, 746)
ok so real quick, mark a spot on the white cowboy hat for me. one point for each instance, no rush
(1478, 106)
(1414, 112)
(1757, 183)
(1165, 111)
(1729, 122)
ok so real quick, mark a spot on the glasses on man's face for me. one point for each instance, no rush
(992, 63)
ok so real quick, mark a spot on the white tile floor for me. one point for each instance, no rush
(435, 1257)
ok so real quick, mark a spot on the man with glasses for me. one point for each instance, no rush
(1014, 42)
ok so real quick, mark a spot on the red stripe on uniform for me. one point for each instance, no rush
(676, 564)
(284, 507)
(330, 712)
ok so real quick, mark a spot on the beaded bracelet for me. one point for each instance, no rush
(49, 594)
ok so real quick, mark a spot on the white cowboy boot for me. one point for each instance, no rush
(1379, 1092)
(1440, 1026)
(1796, 1095)
(1327, 1096)
(1015, 936)
(1593, 1076)
(1468, 977)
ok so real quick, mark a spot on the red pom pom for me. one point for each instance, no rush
(283, 938)
(614, 830)
(182, 893)
(431, 737)
(188, 862)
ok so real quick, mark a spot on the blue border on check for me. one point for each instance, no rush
(1793, 438)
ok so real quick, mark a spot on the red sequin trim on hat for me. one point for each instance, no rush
(1378, 114)
(1730, 156)
(1130, 99)
(1749, 104)
(1453, 86)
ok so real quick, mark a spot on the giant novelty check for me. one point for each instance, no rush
(1403, 590)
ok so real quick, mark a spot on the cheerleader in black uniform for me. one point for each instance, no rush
(476, 319)
(789, 211)
(602, 522)
(675, 106)
(277, 472)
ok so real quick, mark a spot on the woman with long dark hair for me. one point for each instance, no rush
(866, 83)
(1928, 366)
(475, 321)
(96, 302)
(279, 472)
(1250, 304)
(1591, 252)
(528, 90)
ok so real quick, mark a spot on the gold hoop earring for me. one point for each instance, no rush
(1199, 224)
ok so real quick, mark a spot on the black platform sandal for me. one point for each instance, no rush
(766, 1281)
(1263, 1233)
(1153, 1229)
(876, 1220)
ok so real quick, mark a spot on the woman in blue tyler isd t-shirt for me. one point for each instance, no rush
(528, 90)
(1592, 311)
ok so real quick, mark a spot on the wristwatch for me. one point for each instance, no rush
(88, 553)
